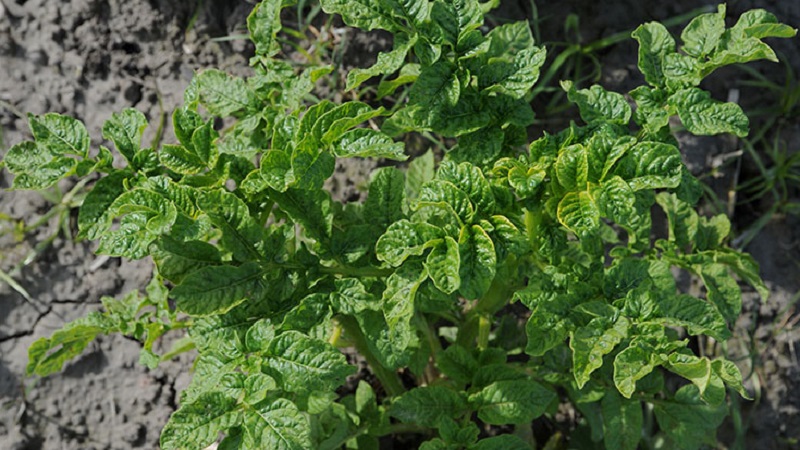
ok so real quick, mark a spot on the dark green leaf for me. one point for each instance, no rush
(125, 131)
(622, 422)
(478, 261)
(222, 94)
(512, 401)
(689, 421)
(61, 135)
(597, 105)
(655, 42)
(427, 405)
(217, 289)
(198, 424)
(303, 364)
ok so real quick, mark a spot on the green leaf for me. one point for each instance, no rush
(428, 404)
(572, 168)
(368, 143)
(651, 165)
(276, 424)
(311, 165)
(456, 18)
(651, 111)
(682, 218)
(125, 130)
(93, 217)
(302, 364)
(617, 201)
(603, 152)
(276, 170)
(760, 24)
(730, 374)
(436, 88)
(502, 442)
(180, 160)
(655, 42)
(217, 289)
(36, 167)
(398, 301)
(264, 23)
(240, 233)
(445, 196)
(48, 355)
(387, 63)
(722, 290)
(688, 420)
(702, 115)
(578, 212)
(697, 316)
(177, 259)
(699, 372)
(310, 208)
(443, 266)
(478, 261)
(364, 14)
(457, 363)
(622, 422)
(702, 35)
(404, 238)
(62, 135)
(590, 343)
(682, 70)
(185, 121)
(198, 424)
(158, 212)
(480, 147)
(630, 365)
(386, 199)
(514, 77)
(744, 266)
(222, 94)
(408, 74)
(332, 125)
(512, 401)
(469, 179)
(597, 105)
(420, 171)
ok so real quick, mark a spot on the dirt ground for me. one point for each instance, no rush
(89, 58)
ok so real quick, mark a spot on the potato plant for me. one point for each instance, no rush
(483, 287)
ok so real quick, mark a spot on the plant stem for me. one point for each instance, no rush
(389, 379)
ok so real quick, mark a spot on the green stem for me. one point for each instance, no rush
(389, 378)
(360, 272)
(484, 328)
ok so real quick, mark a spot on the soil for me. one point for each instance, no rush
(90, 58)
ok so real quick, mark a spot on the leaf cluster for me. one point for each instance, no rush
(270, 276)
